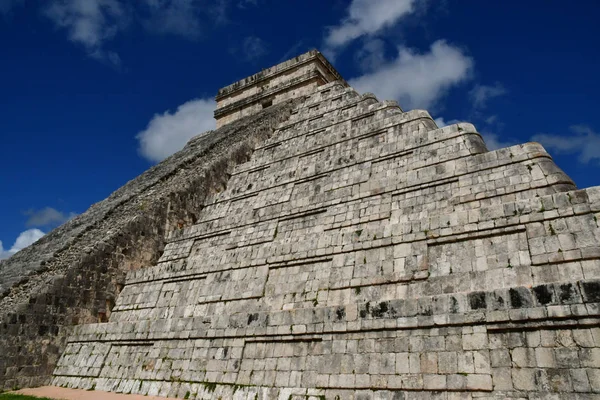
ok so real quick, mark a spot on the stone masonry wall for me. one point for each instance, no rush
(73, 275)
(364, 253)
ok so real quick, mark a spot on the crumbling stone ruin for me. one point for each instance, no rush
(320, 244)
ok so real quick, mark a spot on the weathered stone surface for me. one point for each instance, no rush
(74, 274)
(360, 253)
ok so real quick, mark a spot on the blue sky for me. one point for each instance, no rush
(93, 92)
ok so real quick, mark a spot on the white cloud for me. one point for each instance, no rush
(494, 142)
(583, 142)
(417, 80)
(90, 23)
(47, 216)
(25, 239)
(441, 123)
(480, 94)
(253, 48)
(367, 17)
(167, 133)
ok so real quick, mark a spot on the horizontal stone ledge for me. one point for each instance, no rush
(565, 260)
(421, 382)
(244, 102)
(474, 235)
(546, 324)
(411, 188)
(238, 198)
(304, 214)
(285, 339)
(403, 324)
(474, 228)
(168, 279)
(307, 135)
(376, 131)
(392, 156)
(508, 192)
(417, 276)
(133, 343)
(279, 69)
(358, 99)
(249, 244)
(364, 116)
(396, 192)
(277, 265)
(267, 147)
(362, 220)
(131, 308)
(257, 169)
(311, 152)
(423, 186)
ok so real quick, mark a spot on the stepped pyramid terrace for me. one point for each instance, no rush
(319, 244)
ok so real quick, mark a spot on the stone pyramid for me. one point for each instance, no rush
(360, 252)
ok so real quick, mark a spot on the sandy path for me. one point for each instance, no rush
(54, 392)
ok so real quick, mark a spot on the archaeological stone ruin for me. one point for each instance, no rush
(319, 244)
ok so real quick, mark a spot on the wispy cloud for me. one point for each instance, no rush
(371, 55)
(47, 217)
(90, 23)
(25, 239)
(440, 122)
(292, 51)
(93, 23)
(167, 133)
(493, 141)
(243, 4)
(582, 142)
(366, 17)
(253, 48)
(417, 80)
(7, 6)
(175, 17)
(481, 94)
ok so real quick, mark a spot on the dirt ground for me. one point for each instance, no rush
(58, 393)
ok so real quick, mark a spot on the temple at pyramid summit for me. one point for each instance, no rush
(319, 244)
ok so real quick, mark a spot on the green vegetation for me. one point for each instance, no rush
(210, 386)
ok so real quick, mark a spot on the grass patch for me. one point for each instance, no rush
(10, 396)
